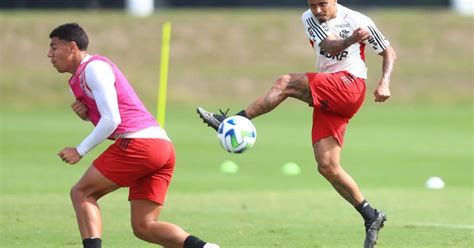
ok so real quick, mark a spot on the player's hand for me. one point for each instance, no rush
(382, 92)
(80, 109)
(359, 35)
(69, 155)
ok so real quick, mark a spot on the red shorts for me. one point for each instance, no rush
(336, 98)
(144, 165)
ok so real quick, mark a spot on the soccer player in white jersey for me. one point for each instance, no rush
(141, 158)
(338, 36)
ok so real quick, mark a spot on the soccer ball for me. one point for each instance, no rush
(237, 134)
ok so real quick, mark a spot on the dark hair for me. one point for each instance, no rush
(71, 32)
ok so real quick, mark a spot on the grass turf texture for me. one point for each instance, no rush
(258, 206)
(222, 57)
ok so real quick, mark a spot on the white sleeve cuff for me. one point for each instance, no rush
(81, 150)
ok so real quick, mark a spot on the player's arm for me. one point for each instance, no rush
(382, 47)
(100, 79)
(333, 45)
(382, 91)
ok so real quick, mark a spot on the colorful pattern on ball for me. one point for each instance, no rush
(237, 134)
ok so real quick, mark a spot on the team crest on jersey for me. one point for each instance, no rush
(344, 33)
(84, 87)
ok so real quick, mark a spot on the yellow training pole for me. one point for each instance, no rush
(165, 54)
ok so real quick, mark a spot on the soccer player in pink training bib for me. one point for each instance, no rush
(338, 36)
(142, 157)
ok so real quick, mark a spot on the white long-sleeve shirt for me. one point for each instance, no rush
(100, 79)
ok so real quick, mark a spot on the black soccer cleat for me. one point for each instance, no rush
(212, 119)
(372, 229)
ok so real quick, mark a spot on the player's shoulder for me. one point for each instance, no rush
(96, 64)
(353, 15)
(98, 60)
(97, 67)
(307, 15)
(308, 19)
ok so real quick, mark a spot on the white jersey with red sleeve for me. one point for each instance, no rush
(352, 59)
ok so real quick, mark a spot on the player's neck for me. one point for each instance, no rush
(77, 61)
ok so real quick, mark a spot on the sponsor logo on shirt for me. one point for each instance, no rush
(340, 56)
(344, 25)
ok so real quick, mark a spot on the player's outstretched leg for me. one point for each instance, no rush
(212, 119)
(372, 228)
(294, 85)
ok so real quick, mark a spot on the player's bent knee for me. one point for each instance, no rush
(79, 194)
(324, 170)
(282, 82)
(286, 78)
(140, 229)
(281, 85)
(328, 168)
(139, 233)
(76, 194)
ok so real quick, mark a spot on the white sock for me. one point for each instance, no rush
(210, 245)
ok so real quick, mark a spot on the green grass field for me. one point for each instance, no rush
(391, 150)
(225, 57)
